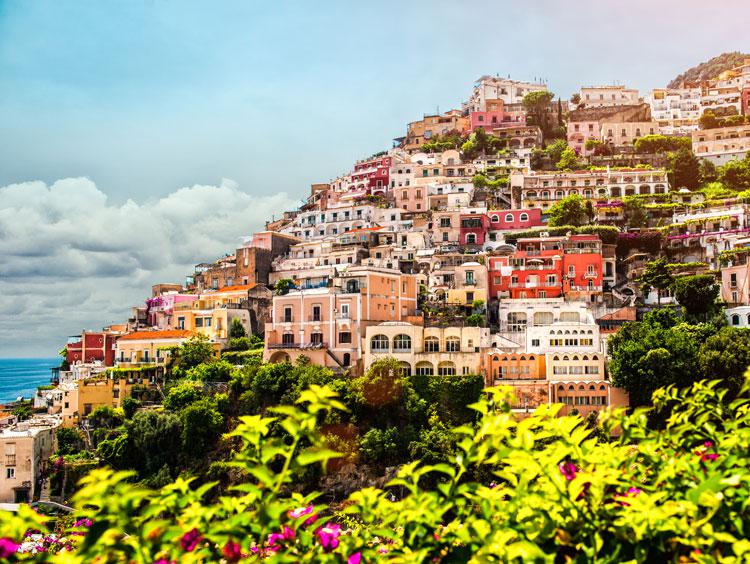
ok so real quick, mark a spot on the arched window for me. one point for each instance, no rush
(522, 357)
(446, 369)
(581, 387)
(509, 217)
(561, 388)
(531, 357)
(401, 343)
(405, 369)
(471, 238)
(559, 195)
(496, 358)
(452, 344)
(432, 344)
(735, 319)
(379, 343)
(494, 218)
(592, 387)
(424, 369)
(603, 387)
(571, 388)
(523, 217)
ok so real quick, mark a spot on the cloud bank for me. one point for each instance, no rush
(70, 259)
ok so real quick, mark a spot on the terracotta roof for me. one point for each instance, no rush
(237, 288)
(152, 335)
(364, 229)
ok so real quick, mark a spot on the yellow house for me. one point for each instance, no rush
(212, 314)
(147, 347)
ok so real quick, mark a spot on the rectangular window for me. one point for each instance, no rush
(10, 473)
(534, 342)
(287, 315)
(199, 322)
(345, 311)
(287, 338)
(345, 337)
(316, 313)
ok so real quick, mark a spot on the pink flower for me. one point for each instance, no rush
(300, 511)
(232, 551)
(190, 540)
(383, 550)
(8, 547)
(273, 538)
(329, 536)
(633, 491)
(287, 533)
(568, 469)
(355, 558)
(83, 523)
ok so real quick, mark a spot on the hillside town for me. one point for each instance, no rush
(510, 237)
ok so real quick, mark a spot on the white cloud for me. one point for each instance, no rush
(70, 259)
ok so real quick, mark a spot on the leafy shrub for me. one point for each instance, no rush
(555, 492)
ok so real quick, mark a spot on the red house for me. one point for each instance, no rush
(583, 267)
(474, 227)
(374, 173)
(549, 267)
(533, 271)
(92, 346)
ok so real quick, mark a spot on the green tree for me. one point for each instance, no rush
(536, 105)
(201, 426)
(153, 439)
(708, 120)
(282, 286)
(194, 351)
(129, 406)
(571, 210)
(216, 371)
(653, 353)
(635, 213)
(736, 174)
(182, 394)
(661, 144)
(568, 160)
(708, 172)
(69, 440)
(238, 344)
(556, 149)
(237, 329)
(684, 169)
(657, 276)
(726, 355)
(697, 295)
(105, 417)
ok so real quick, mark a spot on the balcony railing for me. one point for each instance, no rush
(586, 288)
(297, 345)
(10, 459)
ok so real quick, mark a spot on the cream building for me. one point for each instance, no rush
(25, 447)
(722, 144)
(597, 96)
(443, 351)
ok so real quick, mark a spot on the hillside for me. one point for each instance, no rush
(710, 69)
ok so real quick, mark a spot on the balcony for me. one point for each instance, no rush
(585, 288)
(305, 346)
(10, 459)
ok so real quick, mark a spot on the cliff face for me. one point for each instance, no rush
(710, 69)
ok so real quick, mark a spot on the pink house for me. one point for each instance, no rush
(494, 120)
(579, 132)
(505, 220)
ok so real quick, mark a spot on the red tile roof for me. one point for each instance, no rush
(153, 335)
(237, 288)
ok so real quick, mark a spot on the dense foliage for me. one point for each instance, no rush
(550, 490)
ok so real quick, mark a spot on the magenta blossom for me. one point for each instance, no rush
(190, 540)
(329, 536)
(355, 558)
(232, 551)
(8, 547)
(83, 523)
(568, 469)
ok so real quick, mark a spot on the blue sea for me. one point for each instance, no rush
(21, 376)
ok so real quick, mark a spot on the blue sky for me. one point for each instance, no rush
(146, 96)
(140, 137)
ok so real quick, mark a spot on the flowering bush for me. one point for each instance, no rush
(550, 491)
